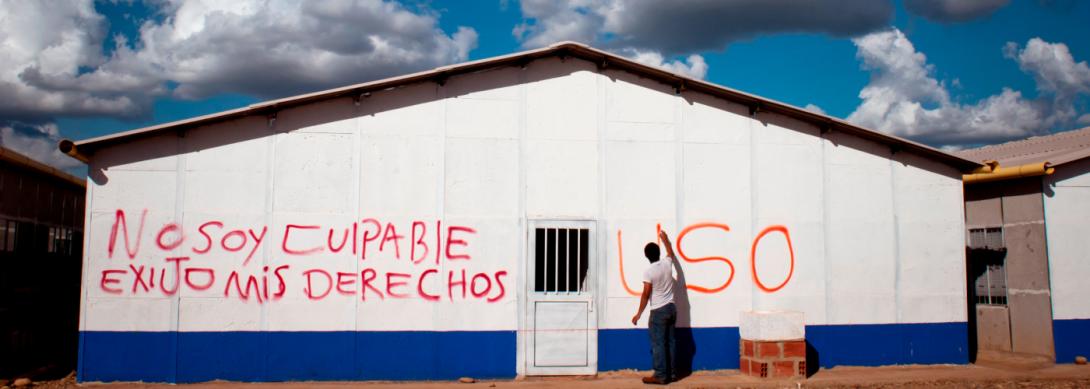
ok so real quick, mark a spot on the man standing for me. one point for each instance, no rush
(658, 287)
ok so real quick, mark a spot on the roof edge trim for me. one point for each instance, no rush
(15, 157)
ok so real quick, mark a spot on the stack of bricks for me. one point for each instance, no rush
(773, 344)
(773, 359)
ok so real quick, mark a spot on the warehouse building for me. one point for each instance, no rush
(1027, 248)
(486, 219)
(41, 241)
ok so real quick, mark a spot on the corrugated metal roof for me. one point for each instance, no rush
(1057, 149)
(16, 158)
(564, 49)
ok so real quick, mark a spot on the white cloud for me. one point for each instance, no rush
(904, 98)
(53, 63)
(954, 10)
(952, 148)
(44, 46)
(693, 66)
(675, 28)
(562, 20)
(39, 143)
(547, 22)
(280, 47)
(1055, 72)
(1083, 120)
(814, 108)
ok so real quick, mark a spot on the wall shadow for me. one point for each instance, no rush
(685, 343)
(971, 274)
(813, 360)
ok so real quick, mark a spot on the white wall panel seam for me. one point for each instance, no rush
(602, 256)
(358, 199)
(896, 238)
(679, 165)
(270, 203)
(753, 198)
(179, 218)
(441, 186)
(520, 267)
(825, 144)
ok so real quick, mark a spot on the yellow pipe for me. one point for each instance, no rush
(1007, 173)
(989, 166)
(69, 148)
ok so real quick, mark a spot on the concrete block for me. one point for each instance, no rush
(1027, 257)
(1031, 322)
(772, 325)
(993, 331)
(1022, 202)
(982, 211)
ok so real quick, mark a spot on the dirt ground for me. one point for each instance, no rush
(892, 377)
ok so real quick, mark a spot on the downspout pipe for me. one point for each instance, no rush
(69, 148)
(999, 173)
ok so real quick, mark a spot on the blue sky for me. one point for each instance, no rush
(945, 72)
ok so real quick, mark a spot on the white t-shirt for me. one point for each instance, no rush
(661, 277)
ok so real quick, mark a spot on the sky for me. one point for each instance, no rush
(953, 74)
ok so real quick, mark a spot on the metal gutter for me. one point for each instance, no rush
(602, 59)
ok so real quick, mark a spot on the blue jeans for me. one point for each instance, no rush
(663, 343)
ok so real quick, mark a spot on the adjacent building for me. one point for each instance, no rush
(1028, 250)
(486, 219)
(41, 242)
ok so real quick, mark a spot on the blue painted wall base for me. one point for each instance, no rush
(417, 355)
(294, 356)
(831, 345)
(1072, 338)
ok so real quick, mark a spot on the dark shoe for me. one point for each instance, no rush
(653, 380)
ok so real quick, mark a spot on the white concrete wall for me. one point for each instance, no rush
(875, 237)
(1067, 209)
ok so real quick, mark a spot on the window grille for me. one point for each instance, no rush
(986, 238)
(51, 241)
(7, 235)
(59, 240)
(991, 284)
(561, 259)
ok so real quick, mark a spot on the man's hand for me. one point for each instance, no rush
(635, 319)
(666, 243)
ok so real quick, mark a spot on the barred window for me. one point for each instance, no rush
(59, 240)
(561, 259)
(7, 235)
(991, 285)
(986, 238)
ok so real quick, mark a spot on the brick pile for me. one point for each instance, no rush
(773, 359)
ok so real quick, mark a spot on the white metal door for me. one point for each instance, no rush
(562, 326)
